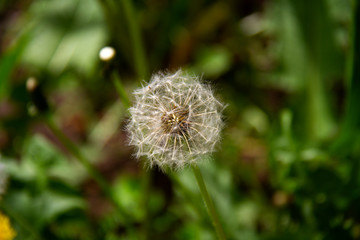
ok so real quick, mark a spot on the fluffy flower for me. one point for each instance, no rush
(6, 231)
(175, 120)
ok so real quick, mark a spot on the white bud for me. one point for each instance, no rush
(107, 53)
(31, 84)
(175, 120)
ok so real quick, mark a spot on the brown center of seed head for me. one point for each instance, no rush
(175, 121)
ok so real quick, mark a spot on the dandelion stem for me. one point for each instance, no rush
(146, 181)
(208, 201)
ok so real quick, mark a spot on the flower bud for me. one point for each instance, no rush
(37, 95)
(107, 53)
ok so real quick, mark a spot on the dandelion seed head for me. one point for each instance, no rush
(175, 120)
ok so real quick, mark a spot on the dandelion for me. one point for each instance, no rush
(6, 231)
(176, 120)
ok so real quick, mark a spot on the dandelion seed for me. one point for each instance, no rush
(175, 120)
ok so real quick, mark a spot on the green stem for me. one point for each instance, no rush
(352, 115)
(120, 89)
(350, 125)
(99, 179)
(320, 124)
(146, 181)
(142, 71)
(71, 147)
(134, 31)
(146, 176)
(208, 201)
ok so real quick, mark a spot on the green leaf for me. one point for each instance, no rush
(65, 34)
(8, 62)
(213, 61)
(129, 192)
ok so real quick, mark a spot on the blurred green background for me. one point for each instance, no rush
(288, 163)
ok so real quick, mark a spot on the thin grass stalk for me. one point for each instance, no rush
(99, 179)
(142, 72)
(120, 90)
(135, 36)
(146, 175)
(352, 114)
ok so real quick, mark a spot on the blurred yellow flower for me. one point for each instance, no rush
(6, 231)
